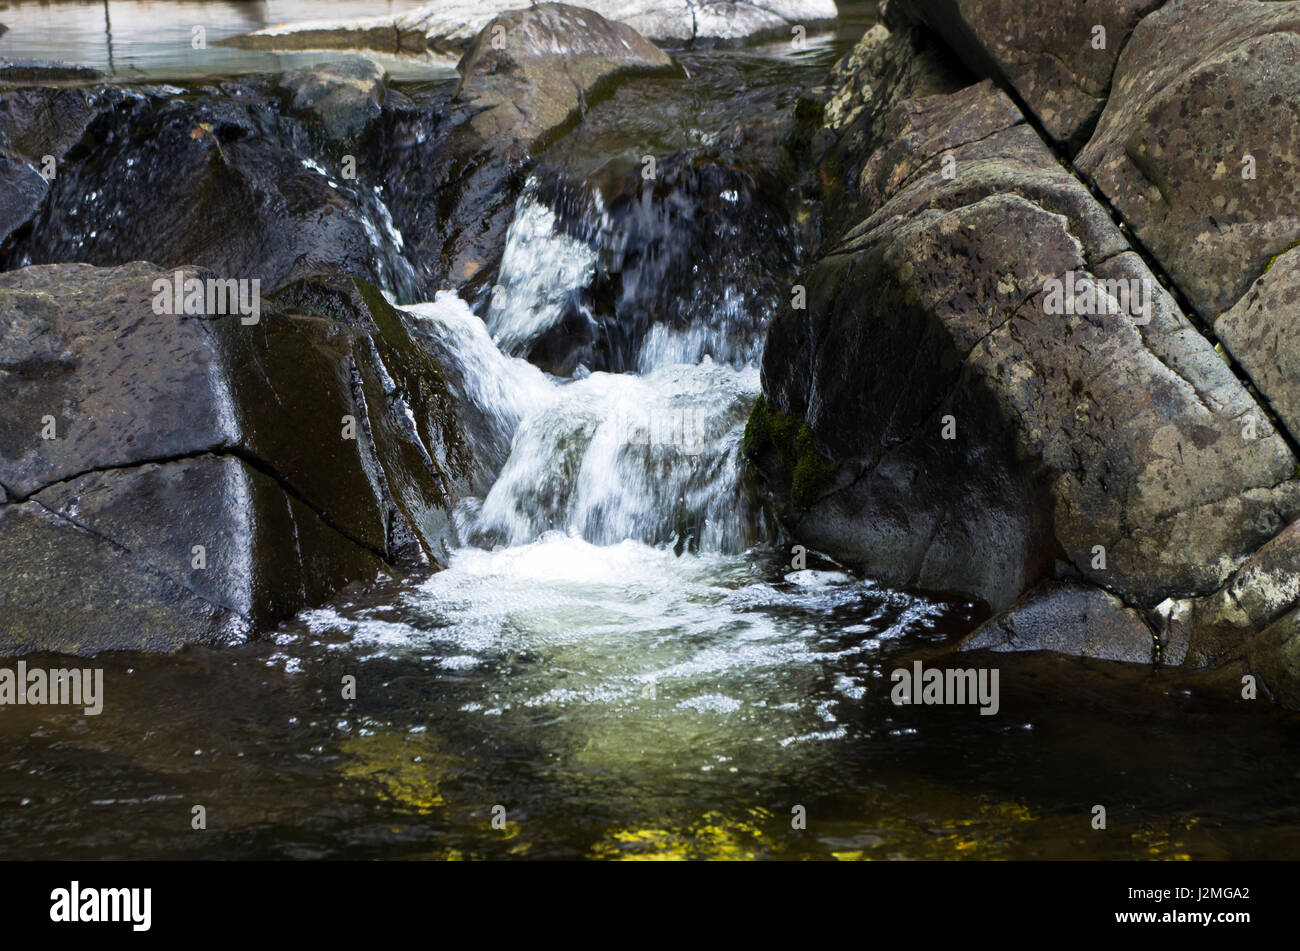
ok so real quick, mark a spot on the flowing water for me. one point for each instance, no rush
(618, 662)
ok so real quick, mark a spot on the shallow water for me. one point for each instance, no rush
(623, 702)
(153, 39)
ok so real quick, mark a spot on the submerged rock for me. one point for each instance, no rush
(188, 478)
(343, 98)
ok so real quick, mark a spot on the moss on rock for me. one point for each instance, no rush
(783, 447)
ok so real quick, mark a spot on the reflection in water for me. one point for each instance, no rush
(154, 39)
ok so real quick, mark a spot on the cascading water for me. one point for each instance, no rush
(614, 656)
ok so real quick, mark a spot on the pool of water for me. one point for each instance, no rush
(623, 702)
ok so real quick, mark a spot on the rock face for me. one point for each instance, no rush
(1198, 147)
(1260, 331)
(1058, 57)
(175, 478)
(999, 428)
(449, 28)
(954, 409)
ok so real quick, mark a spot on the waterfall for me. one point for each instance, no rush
(651, 456)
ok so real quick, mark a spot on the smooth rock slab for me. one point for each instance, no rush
(1070, 619)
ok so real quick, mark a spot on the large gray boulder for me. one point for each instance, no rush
(933, 419)
(525, 79)
(174, 478)
(1199, 145)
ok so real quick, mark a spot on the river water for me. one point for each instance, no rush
(618, 663)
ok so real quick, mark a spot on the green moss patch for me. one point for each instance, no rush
(783, 447)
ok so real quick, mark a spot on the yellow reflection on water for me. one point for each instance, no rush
(713, 837)
(406, 770)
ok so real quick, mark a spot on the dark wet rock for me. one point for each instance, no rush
(38, 121)
(1201, 85)
(27, 71)
(21, 191)
(1068, 618)
(1262, 332)
(305, 451)
(220, 181)
(448, 27)
(1072, 435)
(342, 98)
(37, 127)
(1050, 53)
(525, 79)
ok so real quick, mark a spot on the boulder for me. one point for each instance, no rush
(191, 477)
(219, 180)
(1199, 145)
(954, 413)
